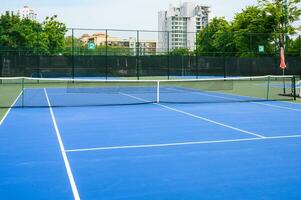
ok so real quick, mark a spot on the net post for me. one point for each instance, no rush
(294, 88)
(22, 92)
(268, 87)
(299, 85)
(283, 74)
(158, 91)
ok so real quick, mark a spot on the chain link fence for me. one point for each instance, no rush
(138, 54)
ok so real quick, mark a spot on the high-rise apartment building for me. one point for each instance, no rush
(27, 12)
(178, 26)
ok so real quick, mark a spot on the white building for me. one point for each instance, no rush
(27, 13)
(178, 26)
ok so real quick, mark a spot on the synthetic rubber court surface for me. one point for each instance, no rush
(153, 151)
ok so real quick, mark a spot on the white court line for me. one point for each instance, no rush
(198, 117)
(230, 98)
(275, 106)
(62, 148)
(182, 143)
(7, 112)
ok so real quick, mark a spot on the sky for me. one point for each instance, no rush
(121, 14)
(117, 14)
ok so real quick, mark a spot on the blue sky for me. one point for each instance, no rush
(124, 14)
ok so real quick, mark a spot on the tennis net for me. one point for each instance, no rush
(44, 92)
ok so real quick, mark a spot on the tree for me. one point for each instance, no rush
(251, 28)
(18, 33)
(266, 24)
(75, 43)
(180, 52)
(293, 46)
(284, 13)
(26, 34)
(53, 34)
(215, 38)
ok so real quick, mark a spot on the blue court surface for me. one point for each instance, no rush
(242, 150)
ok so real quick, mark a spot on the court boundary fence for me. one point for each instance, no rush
(130, 53)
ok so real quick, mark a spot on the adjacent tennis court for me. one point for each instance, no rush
(234, 138)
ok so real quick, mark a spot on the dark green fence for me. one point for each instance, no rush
(144, 66)
(138, 54)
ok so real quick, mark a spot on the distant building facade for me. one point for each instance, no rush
(27, 13)
(178, 25)
(145, 47)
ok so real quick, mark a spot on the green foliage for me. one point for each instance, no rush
(253, 27)
(17, 33)
(180, 52)
(30, 35)
(294, 46)
(267, 24)
(53, 35)
(215, 38)
(115, 50)
(80, 48)
(284, 14)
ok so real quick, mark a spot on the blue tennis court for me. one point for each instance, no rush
(180, 147)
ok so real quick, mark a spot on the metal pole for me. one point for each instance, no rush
(1, 64)
(72, 54)
(299, 45)
(196, 56)
(283, 74)
(224, 62)
(268, 88)
(23, 80)
(137, 56)
(224, 65)
(250, 43)
(294, 88)
(38, 55)
(285, 10)
(106, 55)
(168, 56)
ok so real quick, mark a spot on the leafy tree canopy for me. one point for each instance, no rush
(26, 34)
(268, 23)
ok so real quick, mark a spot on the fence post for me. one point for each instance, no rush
(137, 56)
(1, 63)
(168, 57)
(38, 55)
(250, 43)
(299, 45)
(196, 56)
(224, 59)
(106, 55)
(72, 54)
